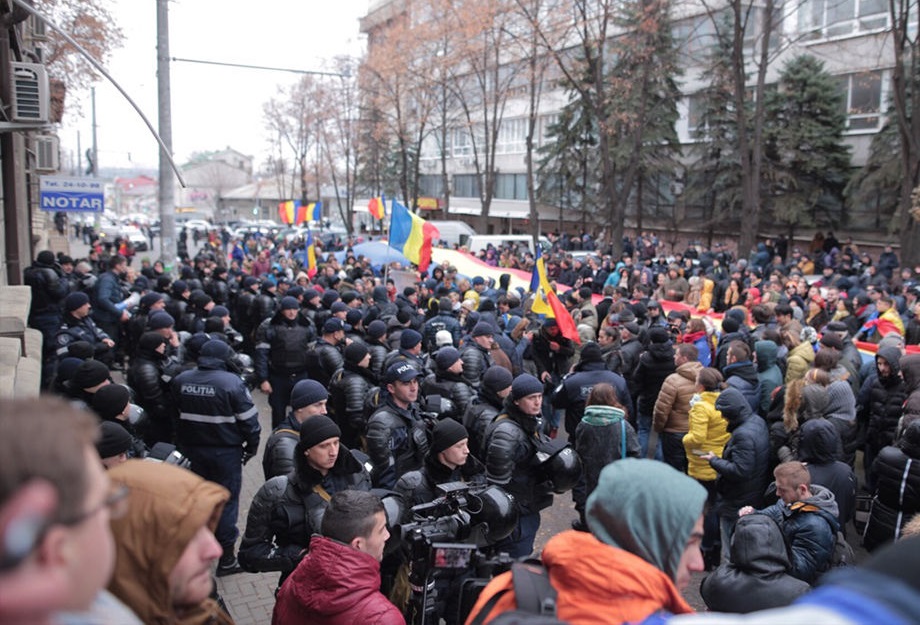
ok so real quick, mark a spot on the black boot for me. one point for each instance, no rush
(228, 564)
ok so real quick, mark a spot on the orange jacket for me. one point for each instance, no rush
(596, 584)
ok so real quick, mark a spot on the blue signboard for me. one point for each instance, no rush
(73, 195)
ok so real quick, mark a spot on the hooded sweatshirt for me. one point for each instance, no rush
(166, 508)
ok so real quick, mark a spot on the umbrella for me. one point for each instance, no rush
(377, 252)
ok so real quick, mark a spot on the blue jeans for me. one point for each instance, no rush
(520, 543)
(223, 465)
(645, 427)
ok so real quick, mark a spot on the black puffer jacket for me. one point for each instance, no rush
(655, 364)
(744, 466)
(450, 386)
(149, 376)
(511, 458)
(278, 458)
(478, 417)
(897, 496)
(475, 362)
(347, 395)
(330, 358)
(881, 400)
(218, 290)
(743, 376)
(286, 511)
(262, 307)
(48, 289)
(819, 445)
(757, 577)
(397, 441)
(420, 486)
(379, 353)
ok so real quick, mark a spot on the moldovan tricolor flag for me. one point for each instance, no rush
(377, 207)
(411, 235)
(545, 301)
(311, 255)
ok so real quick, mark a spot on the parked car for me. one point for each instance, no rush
(137, 238)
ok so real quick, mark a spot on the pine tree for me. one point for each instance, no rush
(714, 173)
(807, 164)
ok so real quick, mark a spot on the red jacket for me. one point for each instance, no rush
(334, 584)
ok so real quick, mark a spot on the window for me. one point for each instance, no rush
(696, 128)
(431, 185)
(862, 96)
(511, 186)
(695, 36)
(466, 185)
(462, 142)
(823, 19)
(512, 137)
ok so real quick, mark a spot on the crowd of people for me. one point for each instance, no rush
(706, 412)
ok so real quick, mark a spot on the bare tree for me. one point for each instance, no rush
(291, 119)
(90, 24)
(905, 93)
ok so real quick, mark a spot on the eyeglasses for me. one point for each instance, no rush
(116, 502)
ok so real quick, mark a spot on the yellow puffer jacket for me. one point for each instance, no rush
(708, 432)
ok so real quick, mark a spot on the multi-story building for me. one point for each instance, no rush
(851, 37)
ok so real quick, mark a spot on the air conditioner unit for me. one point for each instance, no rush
(38, 29)
(30, 92)
(47, 153)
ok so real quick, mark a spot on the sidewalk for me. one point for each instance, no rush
(251, 596)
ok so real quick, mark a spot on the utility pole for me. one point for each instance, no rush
(167, 188)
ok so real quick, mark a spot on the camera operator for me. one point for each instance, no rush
(397, 440)
(287, 509)
(511, 445)
(448, 460)
(338, 581)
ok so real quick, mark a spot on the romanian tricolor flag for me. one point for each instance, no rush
(546, 302)
(294, 212)
(411, 235)
(377, 207)
(287, 211)
(311, 255)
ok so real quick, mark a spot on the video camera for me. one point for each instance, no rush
(450, 543)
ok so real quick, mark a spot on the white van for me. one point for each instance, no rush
(479, 242)
(454, 232)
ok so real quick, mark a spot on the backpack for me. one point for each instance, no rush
(533, 595)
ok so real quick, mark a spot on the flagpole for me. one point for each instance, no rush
(386, 263)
